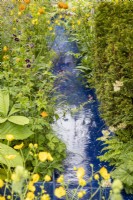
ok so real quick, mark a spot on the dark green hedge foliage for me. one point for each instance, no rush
(112, 72)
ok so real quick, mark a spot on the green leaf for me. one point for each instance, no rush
(19, 132)
(3, 174)
(2, 120)
(20, 120)
(7, 151)
(12, 111)
(4, 102)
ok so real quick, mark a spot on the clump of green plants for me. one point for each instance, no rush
(26, 74)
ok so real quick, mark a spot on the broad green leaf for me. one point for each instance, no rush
(12, 111)
(20, 120)
(19, 132)
(4, 102)
(6, 151)
(2, 119)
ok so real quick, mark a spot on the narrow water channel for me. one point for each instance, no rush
(79, 124)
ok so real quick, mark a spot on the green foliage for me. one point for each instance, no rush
(105, 38)
(6, 151)
(120, 155)
(27, 75)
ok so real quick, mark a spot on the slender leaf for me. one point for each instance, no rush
(4, 103)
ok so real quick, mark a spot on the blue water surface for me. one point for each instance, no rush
(79, 124)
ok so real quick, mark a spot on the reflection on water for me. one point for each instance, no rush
(79, 123)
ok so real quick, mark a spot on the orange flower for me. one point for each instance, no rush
(27, 1)
(44, 114)
(41, 10)
(22, 7)
(63, 5)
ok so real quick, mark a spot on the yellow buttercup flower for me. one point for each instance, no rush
(1, 183)
(45, 197)
(104, 173)
(78, 22)
(96, 177)
(49, 157)
(35, 178)
(43, 156)
(10, 137)
(47, 178)
(50, 28)
(20, 146)
(34, 21)
(2, 198)
(36, 146)
(60, 179)
(80, 172)
(80, 194)
(30, 195)
(60, 192)
(5, 48)
(31, 145)
(31, 186)
(82, 182)
(10, 157)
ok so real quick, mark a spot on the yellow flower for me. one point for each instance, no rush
(10, 137)
(96, 177)
(22, 7)
(43, 156)
(80, 172)
(60, 179)
(41, 11)
(45, 197)
(36, 146)
(6, 57)
(82, 182)
(47, 178)
(50, 28)
(2, 198)
(19, 13)
(1, 183)
(27, 1)
(80, 194)
(44, 114)
(31, 145)
(60, 192)
(35, 21)
(74, 168)
(106, 176)
(104, 173)
(31, 186)
(20, 146)
(10, 157)
(49, 157)
(5, 48)
(78, 22)
(30, 195)
(35, 178)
